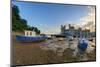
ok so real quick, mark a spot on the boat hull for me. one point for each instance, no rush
(28, 38)
(82, 44)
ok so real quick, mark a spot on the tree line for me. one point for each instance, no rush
(20, 24)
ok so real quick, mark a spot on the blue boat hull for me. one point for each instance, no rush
(82, 46)
(27, 38)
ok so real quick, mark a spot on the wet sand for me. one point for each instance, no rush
(24, 53)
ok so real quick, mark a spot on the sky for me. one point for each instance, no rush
(49, 17)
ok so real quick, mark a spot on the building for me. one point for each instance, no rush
(71, 31)
(29, 33)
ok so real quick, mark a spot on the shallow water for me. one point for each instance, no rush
(60, 46)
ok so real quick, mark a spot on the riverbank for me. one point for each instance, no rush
(24, 53)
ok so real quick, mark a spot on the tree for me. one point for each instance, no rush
(19, 24)
(36, 30)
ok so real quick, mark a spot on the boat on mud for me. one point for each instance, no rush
(82, 44)
(30, 36)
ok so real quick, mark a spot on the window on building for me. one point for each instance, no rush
(27, 33)
(31, 33)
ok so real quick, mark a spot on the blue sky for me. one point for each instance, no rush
(49, 17)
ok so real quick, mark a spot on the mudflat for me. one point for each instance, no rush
(24, 53)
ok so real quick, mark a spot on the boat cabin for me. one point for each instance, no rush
(29, 33)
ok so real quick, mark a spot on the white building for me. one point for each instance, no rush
(29, 33)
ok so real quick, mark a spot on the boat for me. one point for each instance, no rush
(30, 38)
(82, 44)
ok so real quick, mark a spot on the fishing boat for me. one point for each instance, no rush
(30, 37)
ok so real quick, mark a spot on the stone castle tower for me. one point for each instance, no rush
(63, 27)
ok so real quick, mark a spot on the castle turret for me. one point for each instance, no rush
(63, 27)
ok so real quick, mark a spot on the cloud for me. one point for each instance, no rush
(88, 21)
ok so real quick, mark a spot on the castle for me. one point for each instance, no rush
(71, 31)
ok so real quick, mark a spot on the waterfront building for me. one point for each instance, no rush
(71, 31)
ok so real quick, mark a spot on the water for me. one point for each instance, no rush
(59, 46)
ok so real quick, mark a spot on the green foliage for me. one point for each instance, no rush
(37, 31)
(34, 28)
(19, 24)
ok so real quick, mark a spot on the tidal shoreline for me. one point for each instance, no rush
(24, 53)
